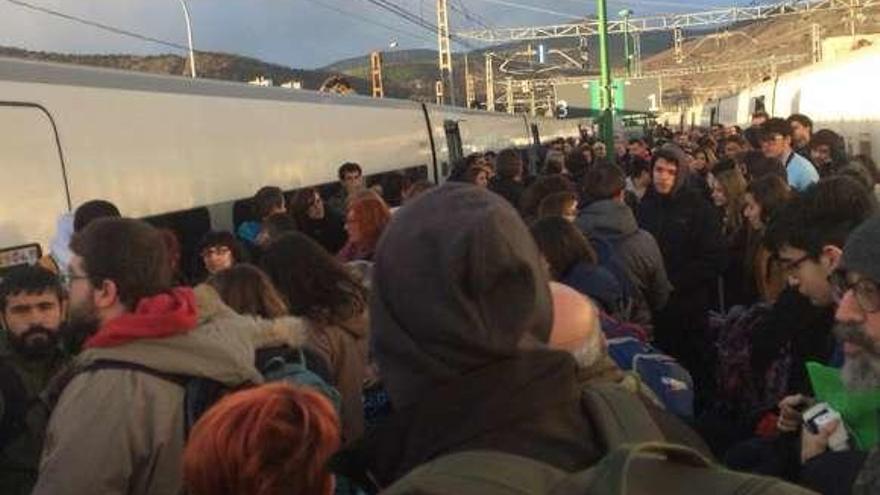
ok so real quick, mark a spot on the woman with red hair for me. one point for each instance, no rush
(368, 214)
(274, 439)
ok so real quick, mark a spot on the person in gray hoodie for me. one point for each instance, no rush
(460, 318)
(607, 217)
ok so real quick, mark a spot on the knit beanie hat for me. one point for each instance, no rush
(862, 251)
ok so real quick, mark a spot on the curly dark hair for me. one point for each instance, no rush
(314, 284)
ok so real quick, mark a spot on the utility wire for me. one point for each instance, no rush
(98, 25)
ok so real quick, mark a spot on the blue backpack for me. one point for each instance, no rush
(298, 373)
(669, 380)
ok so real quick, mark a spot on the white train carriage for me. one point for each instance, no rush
(157, 145)
(837, 95)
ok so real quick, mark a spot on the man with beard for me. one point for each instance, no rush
(32, 307)
(857, 288)
(119, 423)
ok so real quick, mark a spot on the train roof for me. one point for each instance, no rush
(30, 71)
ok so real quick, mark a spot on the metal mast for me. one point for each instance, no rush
(376, 73)
(445, 51)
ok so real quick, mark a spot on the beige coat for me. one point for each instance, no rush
(345, 348)
(118, 431)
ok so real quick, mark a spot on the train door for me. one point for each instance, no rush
(453, 144)
(536, 135)
(533, 164)
(33, 192)
(759, 104)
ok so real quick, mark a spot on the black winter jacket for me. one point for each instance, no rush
(688, 232)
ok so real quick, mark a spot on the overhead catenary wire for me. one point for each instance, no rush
(365, 19)
(533, 8)
(170, 44)
(415, 19)
(469, 15)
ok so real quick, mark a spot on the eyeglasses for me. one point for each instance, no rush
(216, 251)
(866, 291)
(790, 266)
(67, 279)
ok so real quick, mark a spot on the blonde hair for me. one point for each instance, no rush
(734, 186)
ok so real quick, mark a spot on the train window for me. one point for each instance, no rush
(189, 226)
(865, 147)
(393, 184)
(796, 103)
(536, 135)
(243, 211)
(34, 192)
(758, 104)
(453, 141)
(390, 184)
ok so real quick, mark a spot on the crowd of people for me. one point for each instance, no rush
(505, 332)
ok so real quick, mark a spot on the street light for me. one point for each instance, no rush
(626, 14)
(189, 38)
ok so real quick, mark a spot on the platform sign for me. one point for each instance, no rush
(630, 96)
(637, 95)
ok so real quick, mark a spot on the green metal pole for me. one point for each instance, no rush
(606, 121)
(626, 46)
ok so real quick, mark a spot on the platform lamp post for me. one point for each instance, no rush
(606, 120)
(189, 39)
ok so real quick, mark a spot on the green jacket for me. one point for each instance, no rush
(22, 380)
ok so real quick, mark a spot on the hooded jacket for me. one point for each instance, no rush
(688, 232)
(120, 431)
(598, 284)
(638, 251)
(460, 317)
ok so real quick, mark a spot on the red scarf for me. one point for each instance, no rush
(157, 317)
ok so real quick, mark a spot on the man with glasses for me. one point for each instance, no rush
(118, 425)
(856, 287)
(807, 238)
(32, 307)
(808, 235)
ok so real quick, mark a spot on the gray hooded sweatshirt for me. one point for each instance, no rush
(614, 222)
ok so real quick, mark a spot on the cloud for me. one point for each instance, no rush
(299, 33)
